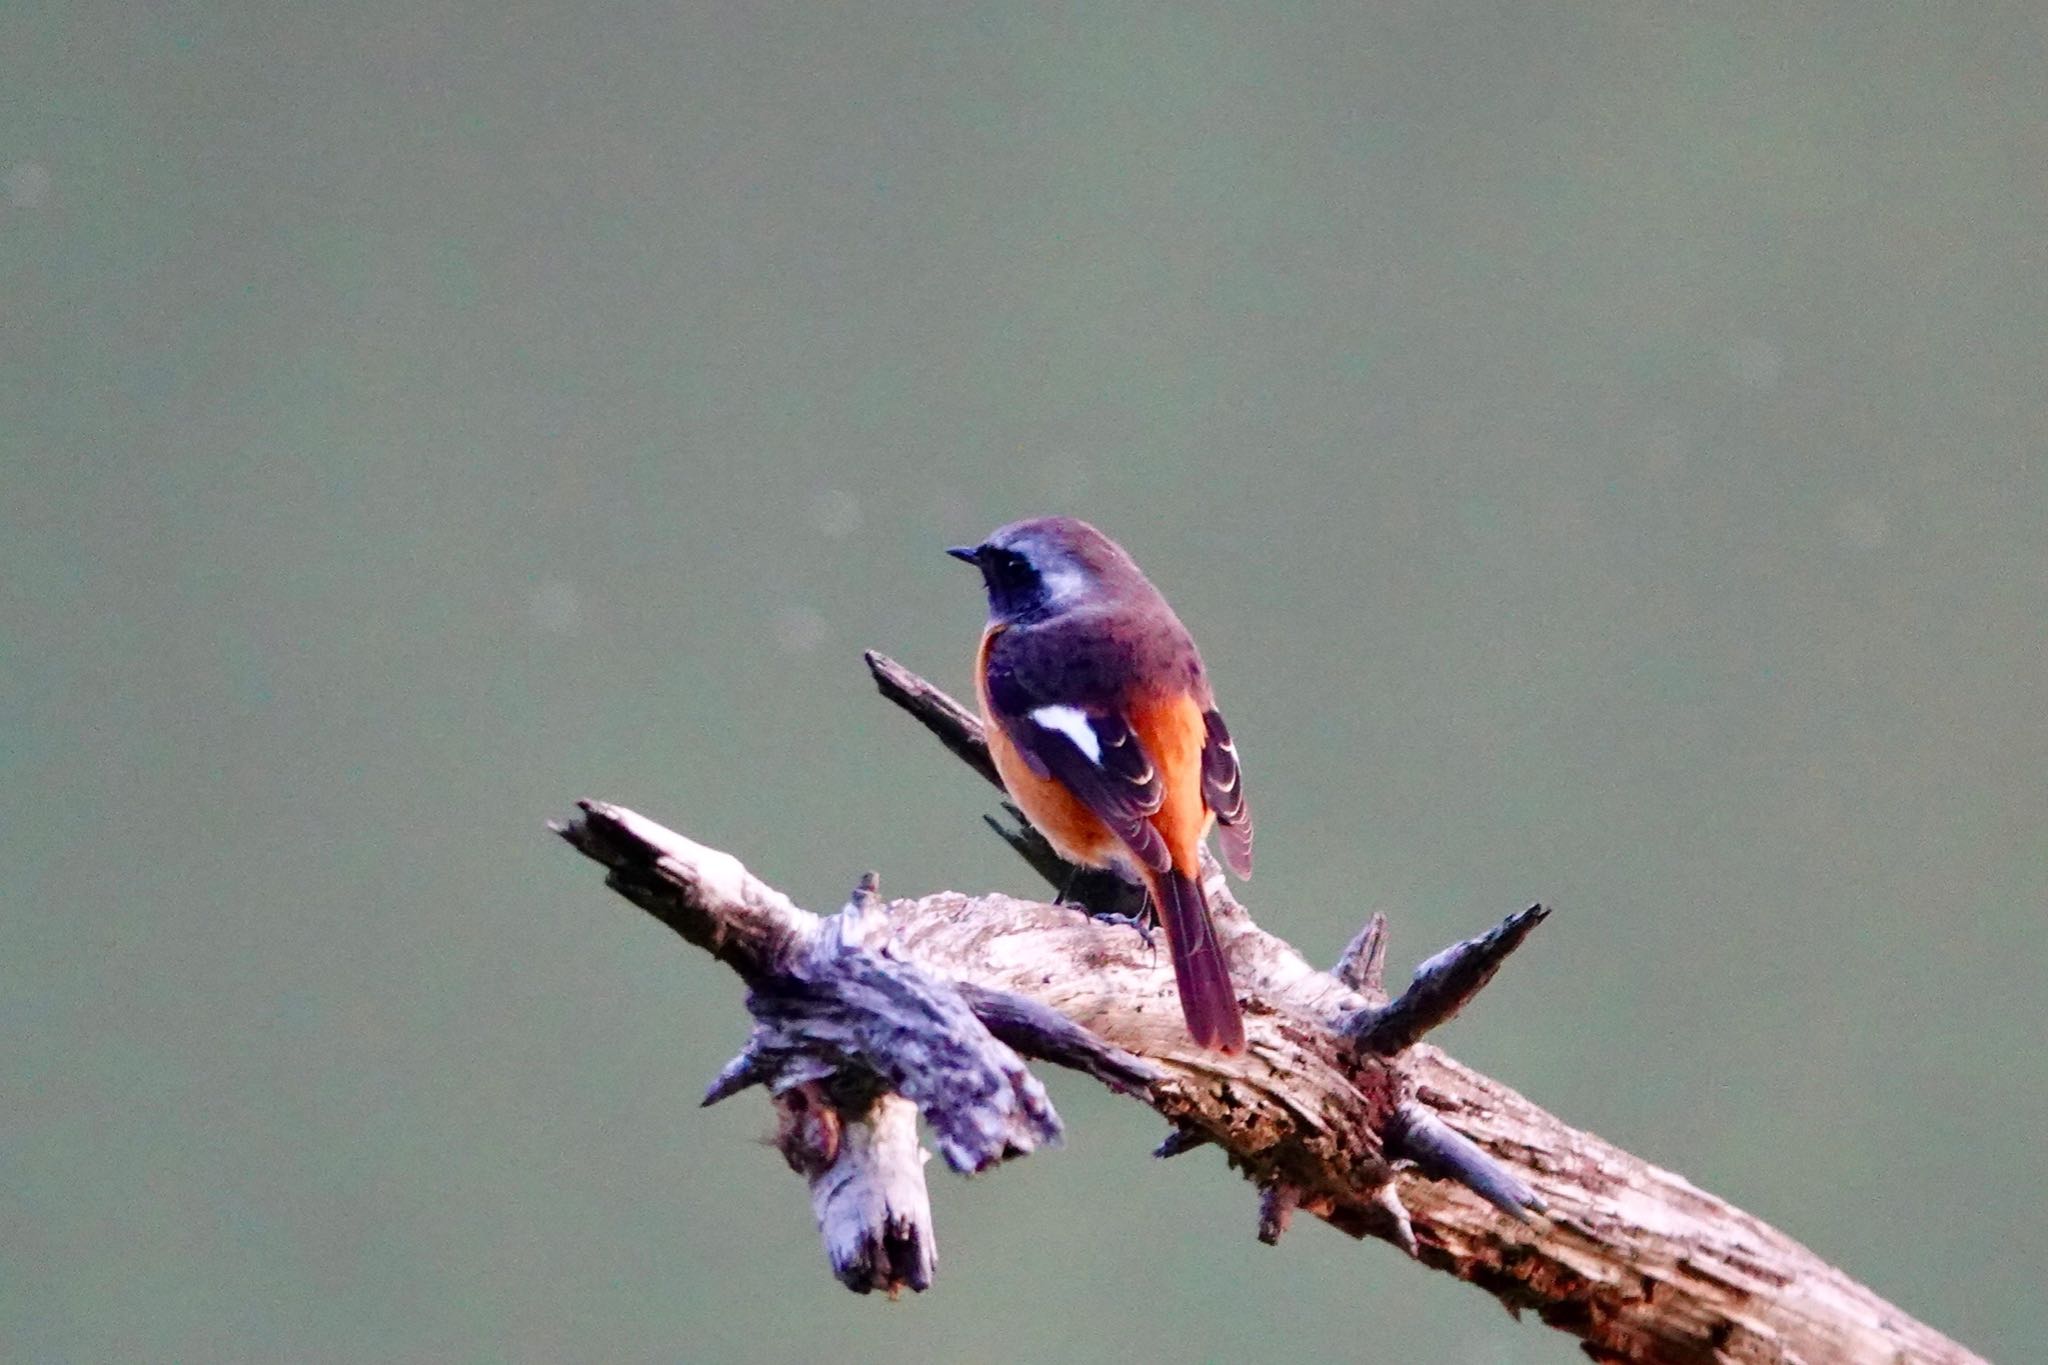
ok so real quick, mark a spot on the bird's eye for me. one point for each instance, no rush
(1011, 571)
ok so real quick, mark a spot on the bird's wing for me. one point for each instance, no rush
(1223, 789)
(1074, 733)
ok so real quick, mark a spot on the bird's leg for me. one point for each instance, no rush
(1086, 887)
(1145, 921)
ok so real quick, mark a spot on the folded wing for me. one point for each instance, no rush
(1092, 752)
(1223, 789)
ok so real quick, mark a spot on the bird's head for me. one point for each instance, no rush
(1048, 565)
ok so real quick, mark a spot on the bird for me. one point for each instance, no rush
(1105, 732)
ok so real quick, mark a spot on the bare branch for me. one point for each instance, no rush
(1331, 1111)
(958, 728)
(707, 896)
(1442, 1154)
(866, 1172)
(1363, 963)
(1044, 1033)
(1442, 986)
(1179, 1141)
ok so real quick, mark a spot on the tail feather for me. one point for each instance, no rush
(1207, 999)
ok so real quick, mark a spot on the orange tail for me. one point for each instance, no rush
(1207, 999)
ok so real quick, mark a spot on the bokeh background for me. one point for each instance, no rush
(1600, 450)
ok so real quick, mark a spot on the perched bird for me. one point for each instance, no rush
(1102, 725)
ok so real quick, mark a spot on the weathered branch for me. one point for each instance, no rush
(1335, 1109)
(1363, 963)
(1442, 986)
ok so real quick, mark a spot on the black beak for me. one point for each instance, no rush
(969, 554)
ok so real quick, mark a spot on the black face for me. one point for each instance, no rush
(1006, 571)
(1014, 586)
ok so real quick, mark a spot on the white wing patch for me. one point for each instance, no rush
(1072, 722)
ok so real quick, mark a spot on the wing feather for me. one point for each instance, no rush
(1223, 789)
(1118, 781)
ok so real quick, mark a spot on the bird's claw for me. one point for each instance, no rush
(1128, 922)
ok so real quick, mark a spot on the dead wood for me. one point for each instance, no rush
(886, 1012)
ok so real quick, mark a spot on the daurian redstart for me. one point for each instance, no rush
(1102, 725)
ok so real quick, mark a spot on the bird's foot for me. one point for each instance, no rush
(1141, 923)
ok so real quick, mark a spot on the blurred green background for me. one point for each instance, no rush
(1600, 450)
